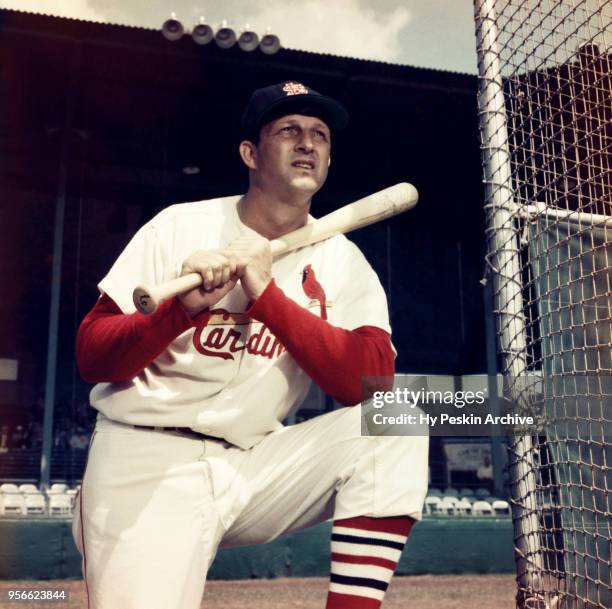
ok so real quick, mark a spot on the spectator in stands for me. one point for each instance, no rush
(4, 438)
(19, 438)
(60, 438)
(84, 415)
(485, 471)
(35, 433)
(79, 440)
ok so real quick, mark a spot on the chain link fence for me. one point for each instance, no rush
(545, 106)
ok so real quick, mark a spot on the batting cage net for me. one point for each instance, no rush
(545, 110)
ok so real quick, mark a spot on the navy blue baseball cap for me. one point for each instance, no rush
(290, 97)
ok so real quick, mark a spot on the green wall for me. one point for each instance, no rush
(39, 549)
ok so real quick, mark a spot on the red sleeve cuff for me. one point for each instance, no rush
(265, 307)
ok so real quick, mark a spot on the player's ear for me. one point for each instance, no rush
(248, 154)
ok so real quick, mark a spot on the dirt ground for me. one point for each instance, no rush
(414, 592)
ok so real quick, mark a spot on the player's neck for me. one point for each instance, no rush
(272, 216)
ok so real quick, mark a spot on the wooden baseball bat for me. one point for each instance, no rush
(373, 208)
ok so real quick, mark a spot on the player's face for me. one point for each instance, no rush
(293, 154)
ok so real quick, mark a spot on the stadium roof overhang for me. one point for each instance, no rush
(137, 109)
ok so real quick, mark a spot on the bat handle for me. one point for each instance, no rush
(147, 298)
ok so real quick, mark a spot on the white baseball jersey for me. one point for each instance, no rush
(231, 378)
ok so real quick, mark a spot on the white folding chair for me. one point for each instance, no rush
(501, 507)
(13, 504)
(8, 487)
(72, 493)
(432, 504)
(57, 487)
(35, 504)
(59, 505)
(26, 489)
(482, 508)
(464, 507)
(448, 506)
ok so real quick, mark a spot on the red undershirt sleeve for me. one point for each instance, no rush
(335, 358)
(112, 346)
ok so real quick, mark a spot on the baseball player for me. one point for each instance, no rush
(189, 452)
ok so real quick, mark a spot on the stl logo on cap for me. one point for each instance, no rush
(295, 88)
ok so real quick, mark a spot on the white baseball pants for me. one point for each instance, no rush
(155, 506)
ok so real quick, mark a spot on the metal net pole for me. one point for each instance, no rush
(545, 120)
(503, 258)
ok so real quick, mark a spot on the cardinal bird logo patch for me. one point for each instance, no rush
(313, 289)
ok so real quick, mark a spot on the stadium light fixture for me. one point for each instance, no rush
(225, 36)
(248, 40)
(172, 29)
(202, 33)
(270, 43)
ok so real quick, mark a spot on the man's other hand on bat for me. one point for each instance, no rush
(247, 259)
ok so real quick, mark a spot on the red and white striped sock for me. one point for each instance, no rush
(364, 554)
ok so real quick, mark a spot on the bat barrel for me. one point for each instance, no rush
(373, 208)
